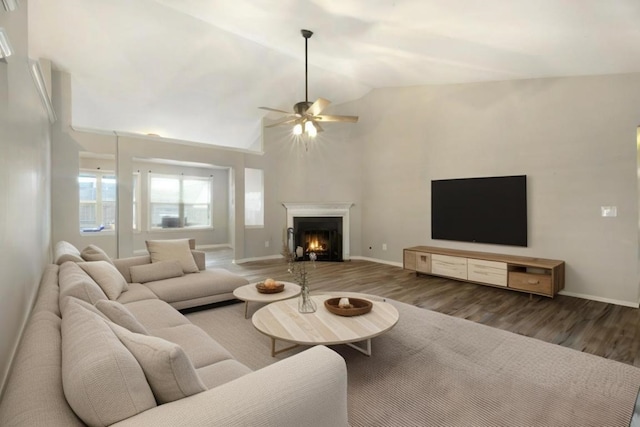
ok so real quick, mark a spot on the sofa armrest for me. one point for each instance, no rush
(199, 257)
(309, 388)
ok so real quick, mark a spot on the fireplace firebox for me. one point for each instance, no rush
(322, 235)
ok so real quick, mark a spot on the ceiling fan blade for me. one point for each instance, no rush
(284, 121)
(317, 126)
(317, 107)
(274, 109)
(326, 118)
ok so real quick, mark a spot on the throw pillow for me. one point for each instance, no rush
(106, 276)
(102, 381)
(94, 253)
(120, 315)
(155, 271)
(165, 250)
(169, 371)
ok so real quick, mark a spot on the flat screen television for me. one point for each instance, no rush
(482, 210)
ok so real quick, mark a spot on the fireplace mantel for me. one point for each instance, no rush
(321, 209)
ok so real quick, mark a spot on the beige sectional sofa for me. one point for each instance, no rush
(91, 356)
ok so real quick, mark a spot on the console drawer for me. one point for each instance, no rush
(490, 272)
(450, 266)
(538, 283)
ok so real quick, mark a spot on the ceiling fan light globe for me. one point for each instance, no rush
(297, 129)
(310, 129)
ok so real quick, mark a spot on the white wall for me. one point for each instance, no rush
(574, 138)
(25, 209)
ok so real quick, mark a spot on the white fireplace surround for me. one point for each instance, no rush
(329, 209)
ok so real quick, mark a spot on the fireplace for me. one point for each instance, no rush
(321, 235)
(324, 212)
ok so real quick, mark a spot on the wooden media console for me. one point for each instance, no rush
(525, 274)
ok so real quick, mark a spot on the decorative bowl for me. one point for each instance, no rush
(358, 306)
(264, 290)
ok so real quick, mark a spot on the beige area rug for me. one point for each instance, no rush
(433, 369)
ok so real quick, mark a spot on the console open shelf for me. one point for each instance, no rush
(538, 276)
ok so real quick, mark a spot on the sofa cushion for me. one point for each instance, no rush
(65, 251)
(201, 349)
(120, 315)
(222, 372)
(102, 380)
(136, 292)
(94, 253)
(209, 282)
(156, 314)
(156, 271)
(175, 249)
(74, 281)
(106, 276)
(169, 371)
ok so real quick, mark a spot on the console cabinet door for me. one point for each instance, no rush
(410, 260)
(423, 262)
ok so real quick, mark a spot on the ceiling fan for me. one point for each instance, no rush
(306, 116)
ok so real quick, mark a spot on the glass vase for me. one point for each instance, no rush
(305, 303)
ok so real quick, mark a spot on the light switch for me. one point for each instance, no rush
(609, 211)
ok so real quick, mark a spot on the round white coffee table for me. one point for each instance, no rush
(282, 321)
(249, 293)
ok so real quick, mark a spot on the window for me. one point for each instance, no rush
(253, 197)
(179, 201)
(136, 203)
(97, 194)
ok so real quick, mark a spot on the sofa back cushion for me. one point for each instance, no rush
(107, 276)
(94, 253)
(33, 393)
(174, 249)
(49, 292)
(120, 315)
(73, 281)
(156, 271)
(65, 251)
(169, 371)
(102, 381)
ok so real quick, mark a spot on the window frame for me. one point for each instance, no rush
(181, 203)
(99, 175)
(247, 202)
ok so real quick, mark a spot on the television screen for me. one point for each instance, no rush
(482, 210)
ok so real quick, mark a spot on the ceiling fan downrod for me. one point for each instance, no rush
(307, 35)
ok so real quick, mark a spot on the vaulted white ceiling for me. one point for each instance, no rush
(197, 70)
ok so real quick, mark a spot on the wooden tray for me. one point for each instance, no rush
(360, 306)
(264, 290)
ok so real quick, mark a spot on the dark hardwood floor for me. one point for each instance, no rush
(598, 328)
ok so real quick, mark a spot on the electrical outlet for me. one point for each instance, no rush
(609, 211)
(384, 246)
(266, 243)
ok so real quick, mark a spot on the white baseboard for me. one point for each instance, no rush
(379, 261)
(261, 258)
(600, 299)
(216, 246)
